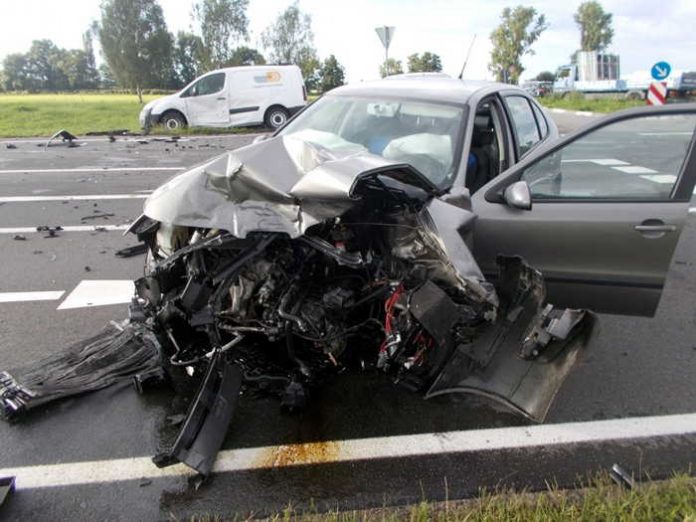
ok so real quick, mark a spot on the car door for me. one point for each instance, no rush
(607, 207)
(206, 100)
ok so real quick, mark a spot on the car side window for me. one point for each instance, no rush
(208, 85)
(523, 121)
(635, 159)
(541, 120)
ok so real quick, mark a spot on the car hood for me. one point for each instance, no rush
(283, 184)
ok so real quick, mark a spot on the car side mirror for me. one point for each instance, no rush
(518, 196)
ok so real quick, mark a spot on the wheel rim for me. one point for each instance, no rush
(172, 123)
(277, 119)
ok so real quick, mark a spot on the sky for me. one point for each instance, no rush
(645, 30)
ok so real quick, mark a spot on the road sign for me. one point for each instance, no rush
(385, 34)
(660, 70)
(657, 93)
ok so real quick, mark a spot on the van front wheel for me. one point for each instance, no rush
(173, 120)
(276, 117)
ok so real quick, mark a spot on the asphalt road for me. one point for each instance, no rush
(634, 368)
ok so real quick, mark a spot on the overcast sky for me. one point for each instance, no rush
(645, 30)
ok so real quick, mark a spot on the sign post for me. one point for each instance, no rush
(386, 34)
(657, 91)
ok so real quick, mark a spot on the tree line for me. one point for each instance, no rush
(139, 52)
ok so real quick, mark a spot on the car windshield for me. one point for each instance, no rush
(422, 134)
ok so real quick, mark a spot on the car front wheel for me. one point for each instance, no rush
(173, 120)
(277, 117)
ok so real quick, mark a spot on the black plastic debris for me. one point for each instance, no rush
(99, 215)
(10, 146)
(7, 486)
(19, 237)
(51, 231)
(66, 138)
(114, 355)
(131, 251)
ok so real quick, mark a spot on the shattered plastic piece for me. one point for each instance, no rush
(621, 477)
(19, 237)
(10, 146)
(152, 378)
(52, 231)
(88, 365)
(65, 137)
(131, 251)
(7, 486)
(207, 420)
(105, 215)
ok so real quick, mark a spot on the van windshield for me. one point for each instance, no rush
(425, 135)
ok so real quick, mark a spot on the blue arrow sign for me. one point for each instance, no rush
(660, 70)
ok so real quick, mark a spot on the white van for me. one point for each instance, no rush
(232, 97)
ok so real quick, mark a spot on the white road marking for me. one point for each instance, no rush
(402, 446)
(99, 293)
(666, 133)
(18, 297)
(68, 228)
(635, 169)
(90, 169)
(32, 199)
(668, 179)
(584, 113)
(692, 210)
(608, 162)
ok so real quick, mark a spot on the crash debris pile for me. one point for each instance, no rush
(114, 355)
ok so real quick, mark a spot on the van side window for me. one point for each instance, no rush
(209, 85)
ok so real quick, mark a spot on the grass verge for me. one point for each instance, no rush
(669, 500)
(29, 115)
(578, 102)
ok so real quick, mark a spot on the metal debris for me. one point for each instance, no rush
(621, 477)
(66, 138)
(98, 215)
(52, 231)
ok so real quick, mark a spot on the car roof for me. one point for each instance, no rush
(436, 87)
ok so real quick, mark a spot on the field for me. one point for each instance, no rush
(577, 102)
(43, 114)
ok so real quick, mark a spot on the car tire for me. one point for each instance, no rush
(173, 120)
(276, 117)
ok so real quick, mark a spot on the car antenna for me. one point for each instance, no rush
(466, 60)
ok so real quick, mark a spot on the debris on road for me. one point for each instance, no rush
(111, 356)
(19, 237)
(87, 268)
(7, 487)
(10, 146)
(98, 215)
(131, 251)
(66, 139)
(52, 231)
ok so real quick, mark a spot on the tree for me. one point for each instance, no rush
(43, 67)
(332, 74)
(245, 56)
(512, 39)
(136, 43)
(78, 70)
(106, 77)
(223, 23)
(390, 66)
(545, 76)
(188, 57)
(16, 73)
(596, 32)
(290, 38)
(427, 62)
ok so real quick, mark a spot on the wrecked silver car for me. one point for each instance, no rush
(344, 244)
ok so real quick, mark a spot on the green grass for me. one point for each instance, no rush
(578, 102)
(43, 114)
(670, 500)
(27, 115)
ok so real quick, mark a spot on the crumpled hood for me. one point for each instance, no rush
(283, 184)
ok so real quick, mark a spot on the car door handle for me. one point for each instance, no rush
(655, 228)
(222, 98)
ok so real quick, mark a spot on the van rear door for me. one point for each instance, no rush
(206, 100)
